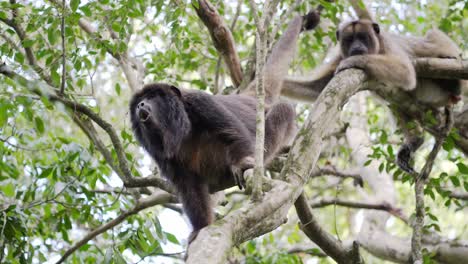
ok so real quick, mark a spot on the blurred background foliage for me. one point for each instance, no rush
(51, 174)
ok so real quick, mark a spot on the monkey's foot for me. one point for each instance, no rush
(239, 177)
(403, 160)
(310, 20)
(192, 236)
(238, 170)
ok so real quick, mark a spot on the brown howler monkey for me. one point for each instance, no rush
(386, 58)
(203, 143)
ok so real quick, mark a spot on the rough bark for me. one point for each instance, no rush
(222, 39)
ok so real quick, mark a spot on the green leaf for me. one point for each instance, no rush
(52, 34)
(383, 138)
(172, 238)
(27, 43)
(3, 113)
(117, 88)
(3, 15)
(462, 168)
(8, 189)
(39, 125)
(74, 5)
(455, 181)
(55, 77)
(86, 10)
(118, 259)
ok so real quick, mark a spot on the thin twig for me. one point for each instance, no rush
(62, 29)
(361, 205)
(420, 182)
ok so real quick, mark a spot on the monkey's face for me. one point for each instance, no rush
(359, 37)
(159, 120)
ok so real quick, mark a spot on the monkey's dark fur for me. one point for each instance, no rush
(203, 143)
(386, 58)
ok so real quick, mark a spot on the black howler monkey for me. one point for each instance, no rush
(202, 143)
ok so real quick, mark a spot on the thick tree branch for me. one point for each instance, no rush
(156, 198)
(458, 195)
(396, 249)
(222, 38)
(442, 68)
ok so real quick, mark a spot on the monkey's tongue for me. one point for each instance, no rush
(144, 115)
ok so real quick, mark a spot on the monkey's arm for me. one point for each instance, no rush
(395, 70)
(214, 117)
(308, 89)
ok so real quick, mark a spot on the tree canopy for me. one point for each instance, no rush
(76, 187)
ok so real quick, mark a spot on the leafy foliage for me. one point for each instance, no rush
(55, 183)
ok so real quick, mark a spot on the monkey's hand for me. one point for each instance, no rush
(353, 62)
(238, 170)
(310, 20)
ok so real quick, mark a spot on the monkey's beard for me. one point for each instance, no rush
(152, 140)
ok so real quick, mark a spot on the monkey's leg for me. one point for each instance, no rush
(438, 45)
(392, 69)
(412, 141)
(195, 199)
(280, 127)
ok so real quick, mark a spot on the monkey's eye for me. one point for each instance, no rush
(348, 39)
(154, 93)
(363, 37)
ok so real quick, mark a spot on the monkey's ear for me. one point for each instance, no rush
(176, 91)
(376, 28)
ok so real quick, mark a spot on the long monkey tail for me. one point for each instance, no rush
(277, 64)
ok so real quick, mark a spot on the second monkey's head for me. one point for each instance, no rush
(359, 37)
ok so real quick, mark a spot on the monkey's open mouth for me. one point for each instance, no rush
(143, 115)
